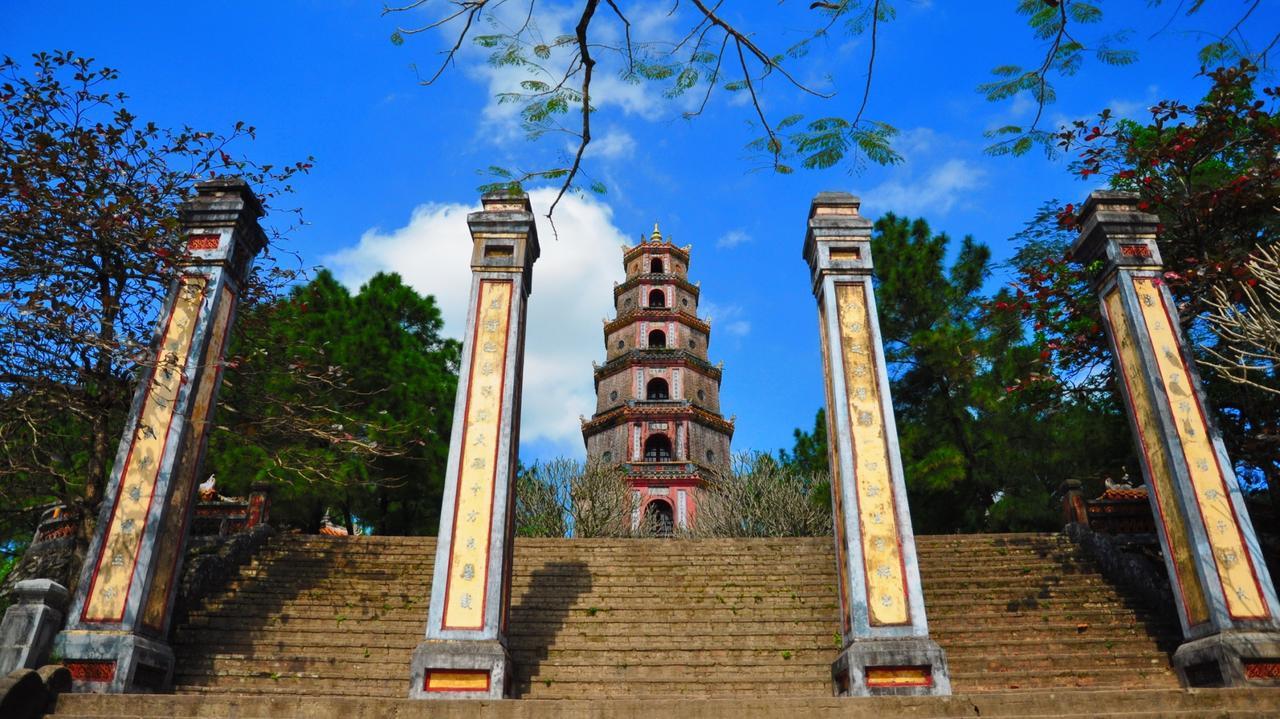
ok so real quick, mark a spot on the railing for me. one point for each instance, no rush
(219, 517)
(1116, 511)
(661, 470)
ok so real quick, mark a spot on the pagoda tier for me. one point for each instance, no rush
(657, 395)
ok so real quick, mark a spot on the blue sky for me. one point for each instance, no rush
(396, 163)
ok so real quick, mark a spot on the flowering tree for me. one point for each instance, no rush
(1211, 172)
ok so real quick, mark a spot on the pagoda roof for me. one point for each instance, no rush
(656, 278)
(649, 410)
(655, 242)
(663, 357)
(662, 313)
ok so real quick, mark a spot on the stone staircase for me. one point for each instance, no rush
(601, 624)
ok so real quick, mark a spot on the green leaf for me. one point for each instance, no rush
(397, 39)
(542, 51)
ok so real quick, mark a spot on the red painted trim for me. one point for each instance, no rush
(203, 242)
(1142, 440)
(457, 495)
(1175, 329)
(92, 670)
(124, 472)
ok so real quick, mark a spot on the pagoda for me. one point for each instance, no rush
(657, 395)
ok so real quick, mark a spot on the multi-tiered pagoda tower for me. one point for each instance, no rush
(657, 396)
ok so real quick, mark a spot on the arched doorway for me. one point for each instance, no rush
(656, 266)
(659, 516)
(657, 448)
(657, 339)
(657, 298)
(657, 389)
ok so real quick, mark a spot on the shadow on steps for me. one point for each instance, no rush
(572, 580)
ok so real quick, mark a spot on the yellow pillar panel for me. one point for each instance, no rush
(153, 614)
(465, 596)
(877, 515)
(1208, 481)
(109, 589)
(1188, 582)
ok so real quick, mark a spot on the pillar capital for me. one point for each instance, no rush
(504, 236)
(1114, 230)
(838, 240)
(220, 223)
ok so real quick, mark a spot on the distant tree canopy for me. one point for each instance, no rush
(388, 392)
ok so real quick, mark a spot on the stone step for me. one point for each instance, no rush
(1144, 704)
(643, 618)
(999, 644)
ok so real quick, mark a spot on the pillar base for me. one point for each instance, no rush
(29, 627)
(459, 669)
(914, 666)
(115, 662)
(1230, 659)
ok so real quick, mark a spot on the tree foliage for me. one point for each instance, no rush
(88, 248)
(1211, 173)
(362, 389)
(563, 497)
(761, 497)
(714, 50)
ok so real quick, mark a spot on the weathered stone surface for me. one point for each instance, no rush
(644, 618)
(29, 626)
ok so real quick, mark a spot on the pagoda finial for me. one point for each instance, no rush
(657, 234)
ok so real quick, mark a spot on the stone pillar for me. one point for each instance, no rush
(119, 619)
(29, 626)
(464, 655)
(887, 649)
(1225, 599)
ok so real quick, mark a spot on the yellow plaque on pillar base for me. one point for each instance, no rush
(899, 677)
(873, 482)
(465, 594)
(456, 680)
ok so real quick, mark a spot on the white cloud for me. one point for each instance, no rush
(725, 318)
(614, 144)
(935, 194)
(572, 290)
(732, 238)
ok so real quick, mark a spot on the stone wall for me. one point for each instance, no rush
(704, 439)
(693, 383)
(612, 440)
